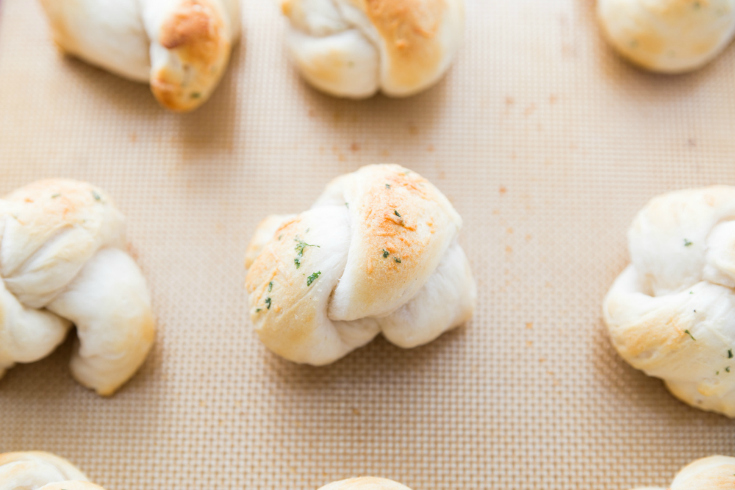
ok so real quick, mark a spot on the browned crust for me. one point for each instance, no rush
(195, 29)
(275, 265)
(645, 43)
(196, 32)
(397, 235)
(60, 199)
(409, 29)
(656, 333)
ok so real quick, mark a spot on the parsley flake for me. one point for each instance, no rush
(727, 369)
(687, 243)
(387, 186)
(270, 286)
(729, 354)
(96, 196)
(385, 254)
(313, 278)
(395, 211)
(398, 260)
(690, 334)
(55, 196)
(268, 303)
(300, 246)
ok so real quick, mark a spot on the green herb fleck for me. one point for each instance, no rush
(387, 186)
(96, 196)
(687, 243)
(270, 286)
(729, 354)
(279, 237)
(268, 303)
(300, 246)
(55, 196)
(691, 292)
(195, 95)
(398, 260)
(257, 310)
(690, 334)
(717, 373)
(395, 211)
(313, 278)
(727, 369)
(385, 254)
(347, 205)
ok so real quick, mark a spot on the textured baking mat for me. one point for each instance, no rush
(547, 144)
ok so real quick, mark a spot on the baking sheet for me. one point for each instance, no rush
(546, 143)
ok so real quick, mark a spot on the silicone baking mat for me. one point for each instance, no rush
(547, 144)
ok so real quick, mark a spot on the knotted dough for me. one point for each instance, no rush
(713, 473)
(378, 252)
(63, 261)
(37, 470)
(671, 313)
(365, 483)
(180, 47)
(353, 48)
(668, 36)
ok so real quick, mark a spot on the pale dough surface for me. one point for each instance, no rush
(671, 312)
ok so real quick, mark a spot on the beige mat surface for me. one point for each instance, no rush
(547, 144)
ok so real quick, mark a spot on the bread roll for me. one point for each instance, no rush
(63, 261)
(713, 473)
(36, 470)
(354, 48)
(378, 252)
(180, 47)
(668, 36)
(365, 483)
(671, 313)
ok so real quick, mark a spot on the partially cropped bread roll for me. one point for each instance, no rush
(668, 36)
(365, 483)
(378, 252)
(713, 473)
(354, 48)
(63, 261)
(37, 470)
(671, 313)
(180, 47)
